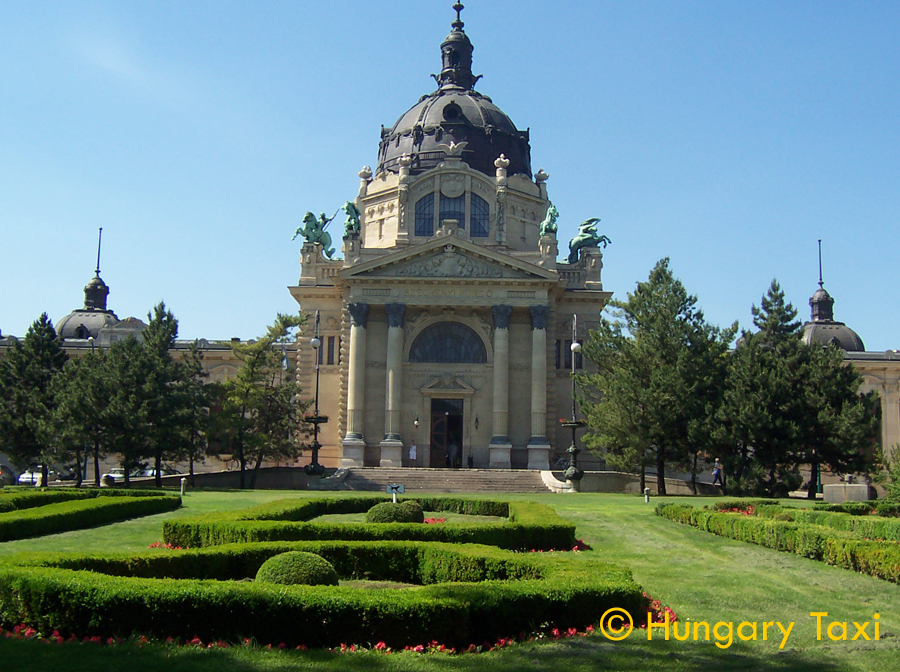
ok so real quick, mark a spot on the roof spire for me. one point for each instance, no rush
(96, 291)
(821, 303)
(820, 263)
(99, 241)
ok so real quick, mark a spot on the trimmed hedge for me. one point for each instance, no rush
(835, 538)
(121, 595)
(76, 514)
(530, 526)
(17, 500)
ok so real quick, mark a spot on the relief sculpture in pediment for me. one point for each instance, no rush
(448, 264)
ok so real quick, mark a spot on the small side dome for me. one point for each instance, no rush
(833, 333)
(822, 327)
(84, 324)
(87, 322)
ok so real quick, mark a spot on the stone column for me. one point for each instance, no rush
(538, 447)
(500, 446)
(392, 443)
(890, 419)
(354, 444)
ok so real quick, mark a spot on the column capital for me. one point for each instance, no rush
(395, 313)
(539, 316)
(501, 316)
(359, 314)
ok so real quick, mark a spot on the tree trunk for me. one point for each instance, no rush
(255, 473)
(694, 475)
(813, 477)
(157, 462)
(660, 472)
(96, 463)
(643, 478)
(78, 467)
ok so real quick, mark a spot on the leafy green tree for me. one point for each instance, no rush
(260, 409)
(26, 399)
(660, 377)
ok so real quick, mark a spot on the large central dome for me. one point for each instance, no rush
(455, 113)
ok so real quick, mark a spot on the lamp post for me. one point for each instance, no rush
(573, 472)
(314, 468)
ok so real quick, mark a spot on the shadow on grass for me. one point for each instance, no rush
(591, 653)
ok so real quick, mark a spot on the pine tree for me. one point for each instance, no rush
(659, 379)
(26, 399)
(789, 404)
(761, 414)
(82, 392)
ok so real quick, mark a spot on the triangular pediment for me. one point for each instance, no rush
(449, 258)
(449, 383)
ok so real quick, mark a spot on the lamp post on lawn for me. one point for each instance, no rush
(314, 468)
(573, 472)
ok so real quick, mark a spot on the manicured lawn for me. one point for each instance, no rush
(701, 576)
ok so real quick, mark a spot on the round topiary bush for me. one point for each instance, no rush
(388, 512)
(414, 509)
(298, 568)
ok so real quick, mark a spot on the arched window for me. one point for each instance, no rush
(480, 213)
(448, 343)
(425, 215)
(454, 208)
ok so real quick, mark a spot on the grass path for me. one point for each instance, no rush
(701, 576)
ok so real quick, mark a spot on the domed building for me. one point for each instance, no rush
(449, 319)
(87, 322)
(822, 327)
(95, 325)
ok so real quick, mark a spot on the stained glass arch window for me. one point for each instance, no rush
(479, 216)
(448, 343)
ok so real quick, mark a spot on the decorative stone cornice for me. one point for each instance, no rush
(359, 314)
(501, 316)
(539, 316)
(395, 313)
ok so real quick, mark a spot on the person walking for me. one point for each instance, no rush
(717, 473)
(412, 453)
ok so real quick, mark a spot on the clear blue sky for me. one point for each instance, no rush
(729, 136)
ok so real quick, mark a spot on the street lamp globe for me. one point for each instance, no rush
(315, 342)
(575, 347)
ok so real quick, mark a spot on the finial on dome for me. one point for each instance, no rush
(458, 24)
(456, 57)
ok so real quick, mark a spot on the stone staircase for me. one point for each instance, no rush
(416, 479)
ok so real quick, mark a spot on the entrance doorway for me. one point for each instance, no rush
(446, 432)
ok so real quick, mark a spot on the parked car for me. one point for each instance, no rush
(32, 475)
(7, 476)
(150, 472)
(118, 474)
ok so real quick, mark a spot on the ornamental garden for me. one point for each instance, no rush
(506, 577)
(274, 574)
